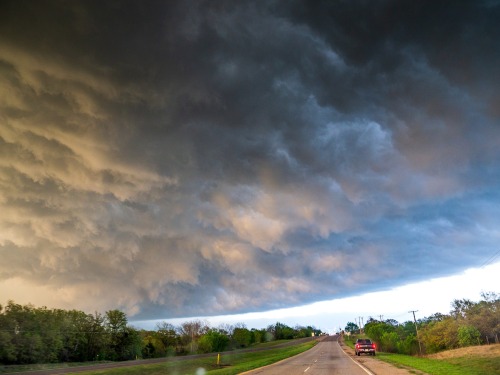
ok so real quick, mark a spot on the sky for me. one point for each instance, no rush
(425, 298)
(176, 159)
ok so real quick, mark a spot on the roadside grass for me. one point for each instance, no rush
(452, 366)
(351, 340)
(230, 363)
(9, 369)
(481, 360)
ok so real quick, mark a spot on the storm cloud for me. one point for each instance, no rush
(186, 158)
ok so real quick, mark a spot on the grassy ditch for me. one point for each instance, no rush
(230, 363)
(478, 360)
(455, 366)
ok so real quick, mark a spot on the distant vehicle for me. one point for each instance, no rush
(364, 346)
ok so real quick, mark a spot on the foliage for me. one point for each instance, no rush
(390, 341)
(122, 341)
(242, 337)
(408, 346)
(375, 330)
(468, 336)
(440, 335)
(31, 335)
(280, 331)
(213, 341)
(469, 323)
(40, 335)
(351, 327)
(259, 336)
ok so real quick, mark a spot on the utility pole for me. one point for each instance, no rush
(416, 330)
(381, 317)
(360, 329)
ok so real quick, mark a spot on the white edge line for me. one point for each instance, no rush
(359, 364)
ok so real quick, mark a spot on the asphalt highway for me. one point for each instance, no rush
(326, 357)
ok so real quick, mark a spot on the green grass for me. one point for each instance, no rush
(349, 341)
(455, 366)
(230, 363)
(468, 365)
(8, 369)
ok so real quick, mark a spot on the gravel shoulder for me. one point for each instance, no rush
(376, 366)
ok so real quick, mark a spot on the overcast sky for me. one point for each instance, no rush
(186, 158)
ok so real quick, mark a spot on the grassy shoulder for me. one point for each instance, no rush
(476, 360)
(463, 366)
(230, 363)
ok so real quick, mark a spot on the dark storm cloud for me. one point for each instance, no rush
(186, 158)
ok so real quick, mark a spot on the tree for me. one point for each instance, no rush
(301, 332)
(152, 345)
(226, 328)
(375, 330)
(389, 342)
(191, 331)
(460, 308)
(409, 345)
(485, 316)
(93, 337)
(392, 322)
(167, 333)
(115, 321)
(280, 331)
(260, 335)
(123, 342)
(242, 337)
(468, 336)
(440, 335)
(351, 327)
(213, 341)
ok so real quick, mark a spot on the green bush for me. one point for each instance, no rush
(213, 341)
(409, 345)
(468, 336)
(389, 342)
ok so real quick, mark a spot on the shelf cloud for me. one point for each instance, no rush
(187, 158)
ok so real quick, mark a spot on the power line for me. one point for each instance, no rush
(490, 259)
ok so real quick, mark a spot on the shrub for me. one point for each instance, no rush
(389, 342)
(468, 335)
(213, 341)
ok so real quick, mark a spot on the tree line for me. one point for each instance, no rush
(29, 335)
(468, 323)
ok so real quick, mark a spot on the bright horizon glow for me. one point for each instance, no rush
(428, 297)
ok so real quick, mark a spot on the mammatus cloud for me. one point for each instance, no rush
(197, 158)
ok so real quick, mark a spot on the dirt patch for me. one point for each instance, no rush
(483, 351)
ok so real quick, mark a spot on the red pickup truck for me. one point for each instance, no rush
(364, 346)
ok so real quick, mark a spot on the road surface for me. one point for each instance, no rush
(326, 358)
